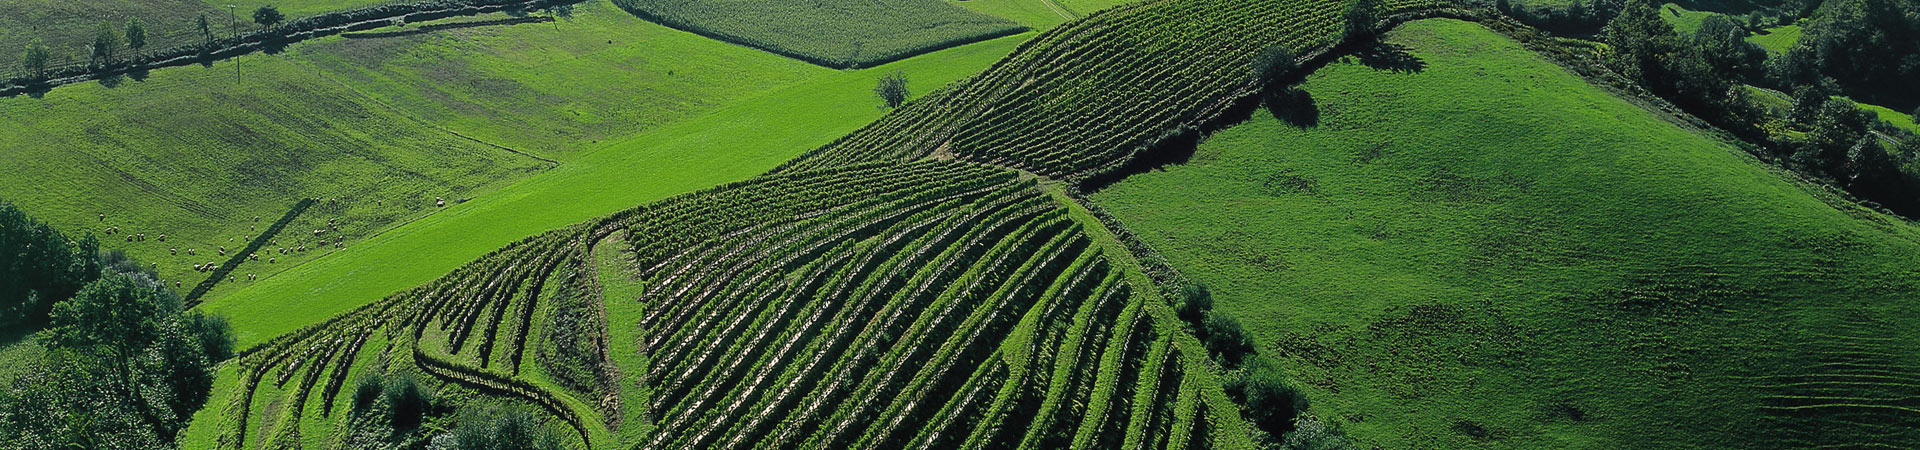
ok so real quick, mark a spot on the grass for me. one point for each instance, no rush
(1888, 115)
(387, 124)
(732, 143)
(67, 27)
(1777, 39)
(1685, 21)
(834, 34)
(1488, 252)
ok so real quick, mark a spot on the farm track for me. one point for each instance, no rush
(865, 295)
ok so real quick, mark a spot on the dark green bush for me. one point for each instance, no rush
(366, 391)
(407, 401)
(1192, 303)
(1226, 340)
(512, 429)
(1266, 398)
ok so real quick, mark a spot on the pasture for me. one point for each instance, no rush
(840, 34)
(1479, 249)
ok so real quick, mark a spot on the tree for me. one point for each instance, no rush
(136, 34)
(118, 314)
(36, 58)
(1225, 339)
(105, 43)
(1271, 403)
(206, 29)
(1915, 116)
(41, 266)
(560, 11)
(1273, 65)
(1808, 98)
(892, 89)
(1363, 18)
(1640, 42)
(268, 16)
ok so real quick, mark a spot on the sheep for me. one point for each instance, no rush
(173, 251)
(103, 217)
(437, 201)
(271, 260)
(176, 284)
(163, 237)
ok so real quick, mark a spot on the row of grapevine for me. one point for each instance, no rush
(1085, 98)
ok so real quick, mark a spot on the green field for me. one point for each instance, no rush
(66, 27)
(1777, 39)
(734, 142)
(1487, 252)
(836, 33)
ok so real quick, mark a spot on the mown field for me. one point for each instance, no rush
(384, 126)
(1465, 246)
(839, 34)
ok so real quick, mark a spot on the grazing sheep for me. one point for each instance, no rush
(196, 267)
(176, 285)
(271, 260)
(189, 251)
(103, 217)
(163, 237)
(173, 251)
(437, 201)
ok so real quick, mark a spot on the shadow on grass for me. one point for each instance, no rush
(1293, 106)
(1390, 57)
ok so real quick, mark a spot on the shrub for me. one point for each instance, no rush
(512, 429)
(892, 88)
(1193, 303)
(1225, 339)
(1309, 433)
(1362, 17)
(408, 401)
(1273, 65)
(1270, 403)
(366, 391)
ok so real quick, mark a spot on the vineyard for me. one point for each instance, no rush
(1085, 98)
(915, 305)
(837, 34)
(874, 294)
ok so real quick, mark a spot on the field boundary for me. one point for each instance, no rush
(193, 298)
(270, 40)
(743, 42)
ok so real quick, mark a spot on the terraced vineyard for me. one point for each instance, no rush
(873, 294)
(1085, 98)
(922, 305)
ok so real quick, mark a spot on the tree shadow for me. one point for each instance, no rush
(1391, 57)
(1293, 106)
(139, 74)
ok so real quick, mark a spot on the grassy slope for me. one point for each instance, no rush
(1491, 253)
(68, 26)
(835, 33)
(1777, 39)
(369, 119)
(732, 143)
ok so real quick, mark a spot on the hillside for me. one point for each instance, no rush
(1457, 244)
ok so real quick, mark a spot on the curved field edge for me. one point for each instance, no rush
(738, 141)
(1475, 247)
(270, 390)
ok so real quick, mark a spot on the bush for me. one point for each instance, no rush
(1268, 401)
(407, 401)
(892, 88)
(513, 429)
(1225, 339)
(1193, 303)
(366, 391)
(1309, 433)
(1272, 66)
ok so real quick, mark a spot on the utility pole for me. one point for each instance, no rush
(233, 22)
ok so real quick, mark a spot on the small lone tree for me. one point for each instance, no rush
(105, 43)
(560, 11)
(36, 58)
(1362, 17)
(136, 34)
(892, 89)
(1273, 65)
(268, 16)
(206, 29)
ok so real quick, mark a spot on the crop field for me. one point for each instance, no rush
(832, 33)
(1058, 109)
(1540, 265)
(892, 305)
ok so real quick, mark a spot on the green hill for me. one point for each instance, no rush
(1470, 247)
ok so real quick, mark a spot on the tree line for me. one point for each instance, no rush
(1850, 49)
(121, 364)
(108, 40)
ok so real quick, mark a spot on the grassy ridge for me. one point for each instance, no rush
(838, 34)
(1481, 250)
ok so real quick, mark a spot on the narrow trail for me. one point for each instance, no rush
(1057, 9)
